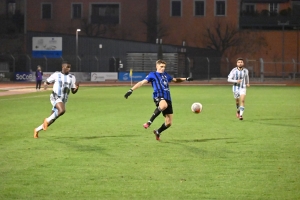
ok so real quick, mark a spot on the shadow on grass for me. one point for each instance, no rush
(74, 142)
(274, 121)
(75, 145)
(203, 140)
(95, 137)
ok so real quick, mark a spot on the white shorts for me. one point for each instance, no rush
(54, 101)
(238, 92)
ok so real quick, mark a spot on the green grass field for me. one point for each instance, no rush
(99, 149)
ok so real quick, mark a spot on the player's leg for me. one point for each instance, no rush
(242, 105)
(161, 105)
(58, 110)
(41, 127)
(236, 95)
(166, 124)
(36, 85)
(168, 114)
(237, 103)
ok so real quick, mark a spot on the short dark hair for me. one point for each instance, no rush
(239, 59)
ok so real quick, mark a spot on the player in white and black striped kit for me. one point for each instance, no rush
(239, 76)
(64, 82)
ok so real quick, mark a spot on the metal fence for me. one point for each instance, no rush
(201, 68)
(261, 69)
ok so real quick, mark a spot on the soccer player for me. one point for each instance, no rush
(64, 82)
(161, 95)
(239, 76)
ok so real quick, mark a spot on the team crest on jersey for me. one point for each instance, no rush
(164, 81)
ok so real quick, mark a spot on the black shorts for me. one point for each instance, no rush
(168, 110)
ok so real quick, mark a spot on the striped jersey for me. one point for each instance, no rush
(237, 74)
(62, 84)
(160, 84)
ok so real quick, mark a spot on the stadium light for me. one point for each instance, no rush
(77, 30)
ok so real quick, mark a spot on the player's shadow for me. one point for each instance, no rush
(271, 121)
(203, 140)
(95, 137)
(107, 136)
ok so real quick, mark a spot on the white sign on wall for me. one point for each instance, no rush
(103, 76)
(50, 47)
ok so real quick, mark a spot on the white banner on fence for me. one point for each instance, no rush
(80, 76)
(103, 76)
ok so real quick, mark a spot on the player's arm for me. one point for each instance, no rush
(75, 85)
(247, 79)
(136, 86)
(49, 80)
(74, 90)
(231, 80)
(178, 80)
(46, 83)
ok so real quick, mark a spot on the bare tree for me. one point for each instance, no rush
(251, 42)
(221, 36)
(155, 29)
(99, 29)
(228, 39)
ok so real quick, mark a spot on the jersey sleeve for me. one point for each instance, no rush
(169, 77)
(51, 78)
(231, 77)
(73, 82)
(149, 77)
(247, 77)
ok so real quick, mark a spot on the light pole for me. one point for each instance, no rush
(77, 30)
(160, 52)
(282, 50)
(100, 47)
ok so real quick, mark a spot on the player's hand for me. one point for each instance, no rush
(77, 85)
(45, 86)
(189, 79)
(128, 93)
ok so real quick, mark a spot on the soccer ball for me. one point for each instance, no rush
(196, 107)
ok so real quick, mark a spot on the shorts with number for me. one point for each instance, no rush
(54, 99)
(168, 110)
(237, 92)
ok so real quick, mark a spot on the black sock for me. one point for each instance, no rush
(162, 128)
(156, 112)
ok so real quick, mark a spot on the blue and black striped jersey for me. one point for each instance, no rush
(160, 84)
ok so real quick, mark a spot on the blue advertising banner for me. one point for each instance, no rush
(136, 76)
(48, 54)
(24, 76)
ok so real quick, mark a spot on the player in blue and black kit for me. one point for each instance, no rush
(161, 95)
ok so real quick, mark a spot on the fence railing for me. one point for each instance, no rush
(201, 68)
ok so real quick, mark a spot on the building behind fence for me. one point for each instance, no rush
(107, 55)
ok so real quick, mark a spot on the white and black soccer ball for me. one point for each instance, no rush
(196, 107)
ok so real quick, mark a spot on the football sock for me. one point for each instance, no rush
(52, 117)
(237, 107)
(39, 128)
(162, 128)
(242, 108)
(156, 112)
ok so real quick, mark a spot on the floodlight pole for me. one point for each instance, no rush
(77, 30)
(282, 50)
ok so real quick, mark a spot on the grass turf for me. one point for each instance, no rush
(99, 149)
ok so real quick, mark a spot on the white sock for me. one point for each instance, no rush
(39, 128)
(53, 116)
(242, 110)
